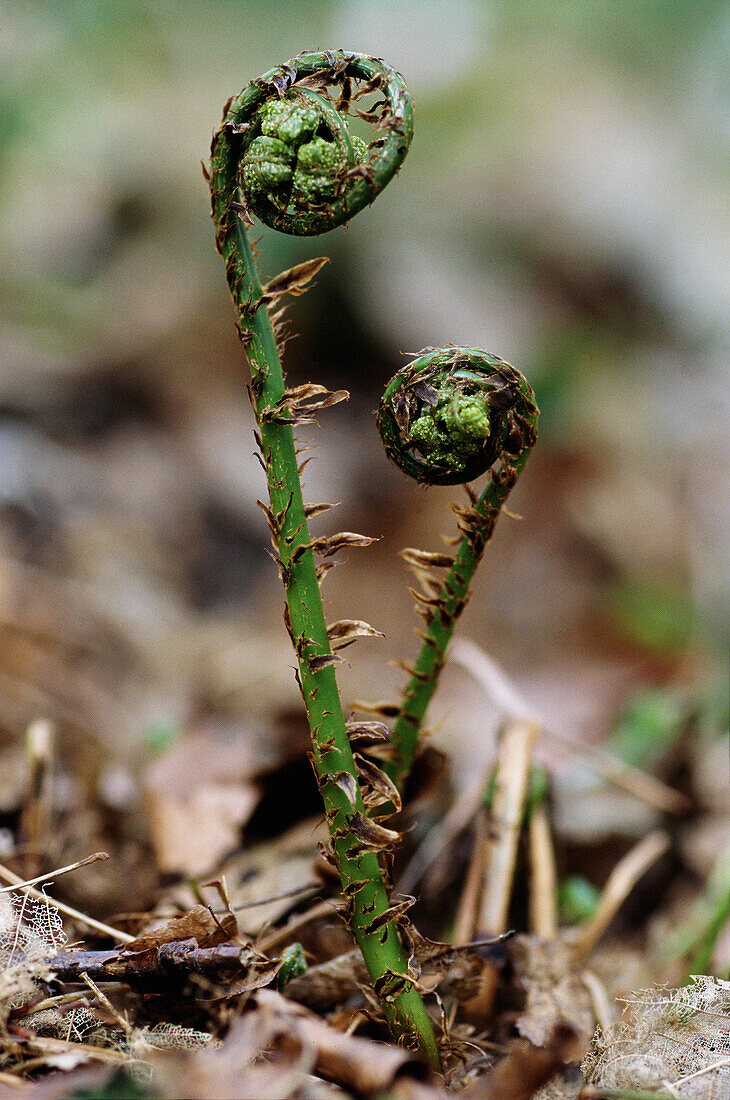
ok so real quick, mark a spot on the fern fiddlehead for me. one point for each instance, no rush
(446, 418)
(284, 153)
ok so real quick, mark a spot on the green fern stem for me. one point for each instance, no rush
(448, 417)
(293, 164)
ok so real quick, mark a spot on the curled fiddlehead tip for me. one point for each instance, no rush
(285, 145)
(447, 416)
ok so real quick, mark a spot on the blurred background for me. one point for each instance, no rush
(564, 205)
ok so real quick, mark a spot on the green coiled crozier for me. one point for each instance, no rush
(448, 417)
(284, 153)
(296, 153)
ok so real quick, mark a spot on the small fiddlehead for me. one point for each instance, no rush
(448, 417)
(284, 153)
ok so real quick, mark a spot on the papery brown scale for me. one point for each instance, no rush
(269, 521)
(390, 985)
(346, 631)
(379, 789)
(303, 643)
(323, 568)
(326, 854)
(312, 510)
(330, 544)
(366, 733)
(316, 664)
(344, 782)
(427, 601)
(424, 559)
(372, 836)
(295, 281)
(287, 622)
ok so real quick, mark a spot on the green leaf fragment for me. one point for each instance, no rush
(294, 964)
(577, 899)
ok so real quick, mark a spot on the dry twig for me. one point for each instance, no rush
(543, 875)
(621, 882)
(513, 775)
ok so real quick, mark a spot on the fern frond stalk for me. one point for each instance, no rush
(448, 417)
(285, 165)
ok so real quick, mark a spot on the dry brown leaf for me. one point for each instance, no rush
(275, 1049)
(362, 1065)
(197, 798)
(270, 869)
(453, 971)
(190, 836)
(237, 1068)
(198, 923)
(555, 994)
(525, 1069)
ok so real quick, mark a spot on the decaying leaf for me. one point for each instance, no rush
(260, 973)
(274, 1050)
(452, 971)
(556, 995)
(274, 869)
(198, 923)
(197, 797)
(669, 1041)
(525, 1069)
